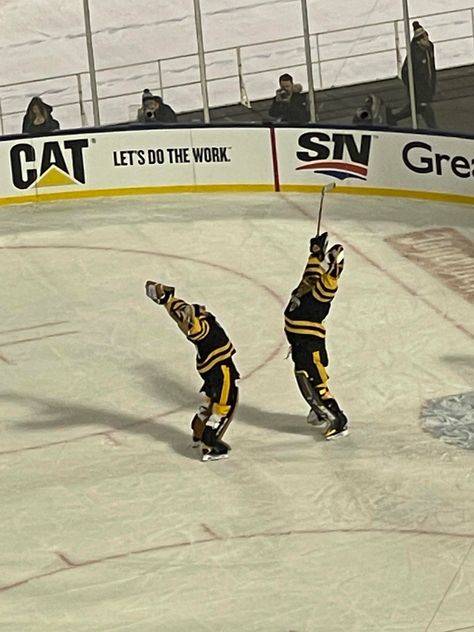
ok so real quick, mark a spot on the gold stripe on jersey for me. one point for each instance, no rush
(313, 270)
(313, 266)
(305, 327)
(174, 307)
(329, 282)
(320, 369)
(175, 304)
(218, 355)
(199, 330)
(321, 293)
(225, 385)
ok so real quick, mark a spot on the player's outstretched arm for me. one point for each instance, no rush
(180, 311)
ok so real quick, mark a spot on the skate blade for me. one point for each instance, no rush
(214, 457)
(337, 435)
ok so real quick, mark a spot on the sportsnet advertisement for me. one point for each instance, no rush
(384, 163)
(135, 161)
(121, 162)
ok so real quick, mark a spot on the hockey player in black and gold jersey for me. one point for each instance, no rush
(305, 330)
(214, 364)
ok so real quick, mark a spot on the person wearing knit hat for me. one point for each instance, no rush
(418, 31)
(424, 76)
(154, 110)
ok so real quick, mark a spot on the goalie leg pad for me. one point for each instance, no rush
(312, 397)
(214, 431)
(199, 420)
(213, 449)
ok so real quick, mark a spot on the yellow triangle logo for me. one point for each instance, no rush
(53, 177)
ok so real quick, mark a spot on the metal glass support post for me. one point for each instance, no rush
(472, 24)
(411, 79)
(309, 63)
(81, 100)
(397, 49)
(320, 70)
(90, 57)
(1, 120)
(202, 61)
(160, 77)
(244, 99)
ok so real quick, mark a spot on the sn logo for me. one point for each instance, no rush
(338, 155)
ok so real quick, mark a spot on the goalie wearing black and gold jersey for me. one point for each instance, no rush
(214, 364)
(305, 330)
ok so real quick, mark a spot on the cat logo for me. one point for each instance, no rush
(337, 155)
(52, 164)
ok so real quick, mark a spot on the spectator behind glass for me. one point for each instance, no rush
(424, 76)
(38, 119)
(153, 110)
(289, 104)
(374, 112)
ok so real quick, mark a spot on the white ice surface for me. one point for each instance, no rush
(108, 520)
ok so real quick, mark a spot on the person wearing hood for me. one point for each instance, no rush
(38, 119)
(154, 110)
(424, 77)
(289, 104)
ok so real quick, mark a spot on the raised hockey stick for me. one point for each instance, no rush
(326, 188)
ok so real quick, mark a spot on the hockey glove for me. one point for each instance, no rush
(318, 245)
(158, 292)
(335, 260)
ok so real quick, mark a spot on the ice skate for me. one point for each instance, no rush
(336, 429)
(216, 452)
(338, 425)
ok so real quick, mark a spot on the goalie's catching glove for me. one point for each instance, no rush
(158, 292)
(318, 245)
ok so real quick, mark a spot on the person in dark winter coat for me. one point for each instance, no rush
(289, 104)
(154, 110)
(38, 119)
(424, 76)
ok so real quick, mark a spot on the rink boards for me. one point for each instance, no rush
(98, 162)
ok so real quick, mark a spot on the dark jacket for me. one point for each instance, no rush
(164, 114)
(292, 110)
(50, 124)
(424, 72)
